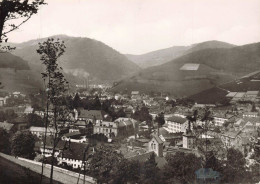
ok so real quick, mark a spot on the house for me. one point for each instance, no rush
(39, 147)
(40, 131)
(8, 127)
(135, 95)
(126, 126)
(108, 128)
(74, 137)
(28, 110)
(228, 138)
(221, 118)
(3, 101)
(156, 145)
(73, 155)
(250, 114)
(93, 116)
(20, 123)
(177, 124)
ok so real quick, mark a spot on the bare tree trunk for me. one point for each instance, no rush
(54, 144)
(44, 141)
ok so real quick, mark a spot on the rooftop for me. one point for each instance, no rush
(177, 119)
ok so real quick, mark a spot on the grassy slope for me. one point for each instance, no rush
(11, 173)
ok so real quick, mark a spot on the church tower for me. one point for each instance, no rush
(188, 139)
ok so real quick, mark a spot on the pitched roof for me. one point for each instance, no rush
(177, 119)
(41, 129)
(74, 150)
(157, 138)
(91, 114)
(6, 126)
(72, 134)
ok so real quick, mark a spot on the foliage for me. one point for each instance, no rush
(22, 144)
(212, 162)
(4, 141)
(104, 162)
(50, 51)
(35, 120)
(150, 173)
(181, 167)
(143, 115)
(235, 167)
(19, 10)
(127, 171)
(160, 119)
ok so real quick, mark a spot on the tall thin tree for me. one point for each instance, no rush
(57, 86)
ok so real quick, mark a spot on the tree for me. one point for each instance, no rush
(212, 162)
(150, 173)
(143, 115)
(22, 144)
(35, 120)
(50, 51)
(96, 104)
(19, 10)
(76, 101)
(127, 171)
(4, 141)
(103, 163)
(160, 119)
(234, 170)
(181, 167)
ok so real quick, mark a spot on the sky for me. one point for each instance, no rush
(141, 26)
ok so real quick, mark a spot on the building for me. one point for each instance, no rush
(20, 123)
(188, 140)
(3, 101)
(250, 114)
(74, 137)
(40, 131)
(28, 110)
(73, 155)
(177, 124)
(93, 116)
(120, 127)
(135, 95)
(8, 127)
(108, 128)
(39, 147)
(156, 145)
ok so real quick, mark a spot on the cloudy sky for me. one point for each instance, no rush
(140, 26)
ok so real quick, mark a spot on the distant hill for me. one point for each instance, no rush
(217, 94)
(214, 44)
(15, 74)
(157, 57)
(214, 67)
(8, 60)
(162, 56)
(83, 57)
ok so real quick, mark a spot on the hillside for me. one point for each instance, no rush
(8, 60)
(204, 69)
(157, 57)
(162, 56)
(250, 82)
(15, 74)
(83, 57)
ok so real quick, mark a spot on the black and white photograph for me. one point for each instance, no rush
(129, 91)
